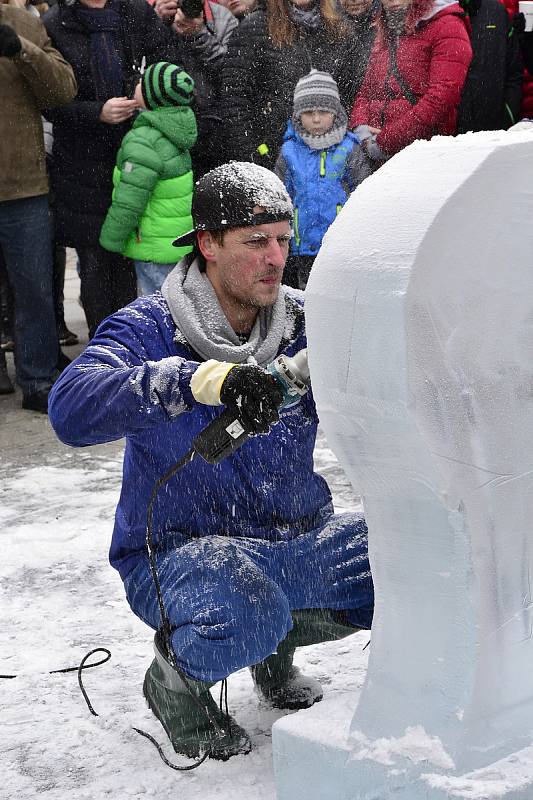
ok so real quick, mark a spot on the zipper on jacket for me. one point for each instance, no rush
(339, 208)
(296, 231)
(322, 163)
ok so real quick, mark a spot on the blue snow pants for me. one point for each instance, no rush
(229, 599)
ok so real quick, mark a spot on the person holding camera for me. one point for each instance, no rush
(106, 42)
(202, 30)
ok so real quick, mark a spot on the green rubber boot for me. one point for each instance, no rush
(187, 711)
(277, 679)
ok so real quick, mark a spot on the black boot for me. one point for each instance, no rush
(185, 707)
(66, 337)
(6, 387)
(277, 679)
(38, 401)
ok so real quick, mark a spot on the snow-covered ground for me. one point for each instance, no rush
(59, 599)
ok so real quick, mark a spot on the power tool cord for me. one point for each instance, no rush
(166, 630)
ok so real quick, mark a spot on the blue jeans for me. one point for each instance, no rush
(26, 241)
(150, 276)
(229, 599)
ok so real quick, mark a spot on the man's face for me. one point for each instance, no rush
(239, 8)
(246, 269)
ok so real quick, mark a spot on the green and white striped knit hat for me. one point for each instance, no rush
(165, 84)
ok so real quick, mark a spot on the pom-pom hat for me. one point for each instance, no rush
(316, 90)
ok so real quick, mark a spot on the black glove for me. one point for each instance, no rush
(254, 395)
(519, 23)
(10, 43)
(526, 49)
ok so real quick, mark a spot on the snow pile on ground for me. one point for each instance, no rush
(60, 599)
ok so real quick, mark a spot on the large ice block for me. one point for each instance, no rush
(420, 322)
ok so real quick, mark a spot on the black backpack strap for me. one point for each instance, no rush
(407, 92)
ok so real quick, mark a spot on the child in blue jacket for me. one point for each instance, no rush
(320, 164)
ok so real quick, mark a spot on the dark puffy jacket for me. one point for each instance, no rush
(85, 149)
(526, 45)
(493, 90)
(356, 53)
(433, 57)
(202, 56)
(259, 81)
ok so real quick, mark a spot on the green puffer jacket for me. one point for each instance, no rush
(153, 183)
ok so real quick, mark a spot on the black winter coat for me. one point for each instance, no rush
(492, 93)
(258, 84)
(85, 149)
(355, 56)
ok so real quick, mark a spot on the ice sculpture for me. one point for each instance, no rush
(420, 321)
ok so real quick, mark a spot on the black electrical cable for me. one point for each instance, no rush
(146, 735)
(79, 669)
(166, 631)
(166, 628)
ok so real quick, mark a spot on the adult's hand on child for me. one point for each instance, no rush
(166, 9)
(364, 132)
(185, 26)
(117, 110)
(374, 151)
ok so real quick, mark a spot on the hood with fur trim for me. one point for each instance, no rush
(422, 11)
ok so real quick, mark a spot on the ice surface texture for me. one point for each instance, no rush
(420, 322)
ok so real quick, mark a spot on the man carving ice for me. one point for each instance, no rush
(251, 560)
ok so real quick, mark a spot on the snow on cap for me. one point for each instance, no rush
(226, 197)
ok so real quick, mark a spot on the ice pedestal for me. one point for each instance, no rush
(420, 322)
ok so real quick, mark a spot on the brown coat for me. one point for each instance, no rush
(35, 79)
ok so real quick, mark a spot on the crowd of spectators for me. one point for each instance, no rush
(294, 85)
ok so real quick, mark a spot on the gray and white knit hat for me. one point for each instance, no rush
(316, 90)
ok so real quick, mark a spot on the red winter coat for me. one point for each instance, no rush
(527, 85)
(433, 58)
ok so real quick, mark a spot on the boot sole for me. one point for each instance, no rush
(287, 706)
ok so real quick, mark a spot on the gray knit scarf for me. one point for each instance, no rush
(335, 135)
(199, 318)
(307, 18)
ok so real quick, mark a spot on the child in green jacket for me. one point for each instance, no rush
(153, 178)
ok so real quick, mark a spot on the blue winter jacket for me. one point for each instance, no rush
(133, 380)
(319, 183)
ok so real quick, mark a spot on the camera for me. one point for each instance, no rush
(192, 8)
